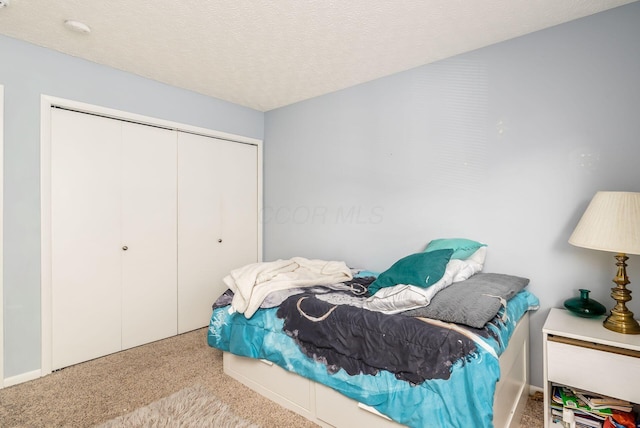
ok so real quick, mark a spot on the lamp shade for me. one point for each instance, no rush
(610, 223)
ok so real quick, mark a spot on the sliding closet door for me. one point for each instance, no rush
(86, 152)
(149, 233)
(217, 220)
(114, 235)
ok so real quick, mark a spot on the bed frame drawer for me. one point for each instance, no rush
(573, 362)
(340, 411)
(288, 389)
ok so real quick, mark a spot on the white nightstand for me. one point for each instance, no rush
(581, 353)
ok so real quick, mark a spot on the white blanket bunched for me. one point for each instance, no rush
(251, 283)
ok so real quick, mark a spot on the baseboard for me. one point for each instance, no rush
(24, 377)
(533, 389)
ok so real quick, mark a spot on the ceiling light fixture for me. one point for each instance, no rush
(4, 3)
(77, 26)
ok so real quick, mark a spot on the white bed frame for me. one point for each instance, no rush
(329, 408)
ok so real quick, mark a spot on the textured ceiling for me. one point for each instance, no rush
(267, 54)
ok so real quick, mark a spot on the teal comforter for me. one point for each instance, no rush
(465, 399)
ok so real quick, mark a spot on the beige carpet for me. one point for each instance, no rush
(98, 391)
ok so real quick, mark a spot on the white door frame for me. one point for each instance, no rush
(1, 236)
(46, 104)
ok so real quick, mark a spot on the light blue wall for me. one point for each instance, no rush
(505, 145)
(27, 71)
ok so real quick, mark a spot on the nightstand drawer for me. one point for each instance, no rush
(594, 368)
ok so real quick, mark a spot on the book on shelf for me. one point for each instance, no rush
(565, 396)
(596, 401)
(586, 409)
(581, 421)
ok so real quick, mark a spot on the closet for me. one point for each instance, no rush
(145, 222)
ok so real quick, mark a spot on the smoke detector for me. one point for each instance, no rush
(4, 3)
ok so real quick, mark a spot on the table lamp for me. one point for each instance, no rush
(612, 223)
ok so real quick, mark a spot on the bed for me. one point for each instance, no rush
(431, 342)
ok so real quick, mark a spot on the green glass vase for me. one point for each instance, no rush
(584, 306)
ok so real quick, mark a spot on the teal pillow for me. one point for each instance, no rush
(462, 248)
(420, 269)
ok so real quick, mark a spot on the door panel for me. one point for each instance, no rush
(85, 217)
(237, 169)
(217, 220)
(149, 232)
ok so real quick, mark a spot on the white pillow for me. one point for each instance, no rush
(398, 298)
(470, 266)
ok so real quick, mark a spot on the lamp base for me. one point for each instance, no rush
(622, 323)
(621, 319)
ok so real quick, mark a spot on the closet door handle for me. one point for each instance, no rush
(219, 240)
(125, 248)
